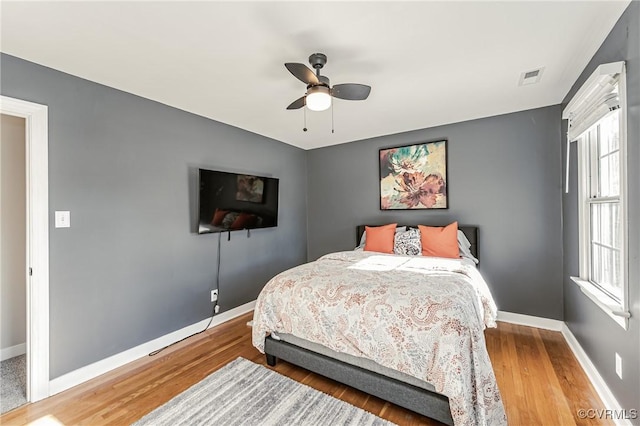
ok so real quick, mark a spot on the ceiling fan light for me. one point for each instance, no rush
(318, 98)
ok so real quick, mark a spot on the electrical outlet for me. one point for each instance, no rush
(214, 295)
(618, 365)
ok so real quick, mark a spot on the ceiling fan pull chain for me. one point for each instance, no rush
(332, 117)
(304, 129)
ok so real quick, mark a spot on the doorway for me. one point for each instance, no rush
(13, 263)
(36, 252)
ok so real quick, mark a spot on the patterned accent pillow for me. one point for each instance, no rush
(229, 218)
(408, 243)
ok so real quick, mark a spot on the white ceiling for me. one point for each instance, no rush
(428, 63)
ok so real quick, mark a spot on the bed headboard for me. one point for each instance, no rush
(471, 232)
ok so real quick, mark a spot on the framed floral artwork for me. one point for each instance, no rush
(414, 177)
(250, 188)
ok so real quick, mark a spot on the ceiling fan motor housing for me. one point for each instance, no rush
(324, 81)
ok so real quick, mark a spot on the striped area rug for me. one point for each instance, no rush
(245, 393)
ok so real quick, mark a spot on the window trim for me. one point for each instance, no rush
(604, 302)
(618, 311)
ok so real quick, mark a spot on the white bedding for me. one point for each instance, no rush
(422, 316)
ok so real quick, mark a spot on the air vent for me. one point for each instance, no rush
(530, 77)
(531, 74)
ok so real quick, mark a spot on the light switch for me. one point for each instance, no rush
(63, 219)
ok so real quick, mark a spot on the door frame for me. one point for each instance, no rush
(37, 234)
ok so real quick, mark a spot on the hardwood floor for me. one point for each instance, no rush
(540, 381)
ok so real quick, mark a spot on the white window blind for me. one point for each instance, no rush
(596, 98)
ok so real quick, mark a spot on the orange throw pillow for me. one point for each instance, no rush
(440, 241)
(218, 216)
(380, 238)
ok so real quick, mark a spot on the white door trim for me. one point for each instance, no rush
(37, 167)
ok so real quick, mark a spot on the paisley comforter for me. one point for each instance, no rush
(419, 315)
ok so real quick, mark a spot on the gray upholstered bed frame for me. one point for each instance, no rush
(422, 401)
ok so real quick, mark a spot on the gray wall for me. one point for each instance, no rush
(130, 268)
(597, 333)
(504, 176)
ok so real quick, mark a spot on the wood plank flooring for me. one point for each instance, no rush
(540, 381)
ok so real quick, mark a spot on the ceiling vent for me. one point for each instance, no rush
(530, 77)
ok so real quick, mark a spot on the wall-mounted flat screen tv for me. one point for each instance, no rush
(233, 201)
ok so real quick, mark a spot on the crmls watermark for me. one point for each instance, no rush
(604, 413)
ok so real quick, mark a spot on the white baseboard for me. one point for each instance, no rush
(530, 321)
(610, 401)
(91, 371)
(12, 351)
(590, 370)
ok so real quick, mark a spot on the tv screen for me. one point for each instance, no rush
(233, 201)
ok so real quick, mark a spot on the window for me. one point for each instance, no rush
(597, 123)
(600, 182)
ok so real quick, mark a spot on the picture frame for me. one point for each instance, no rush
(414, 177)
(250, 188)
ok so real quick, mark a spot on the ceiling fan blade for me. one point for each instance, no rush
(302, 73)
(351, 91)
(298, 103)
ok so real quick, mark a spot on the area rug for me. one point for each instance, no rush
(13, 383)
(245, 393)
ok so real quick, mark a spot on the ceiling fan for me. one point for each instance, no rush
(319, 90)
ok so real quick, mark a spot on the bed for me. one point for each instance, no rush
(360, 318)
